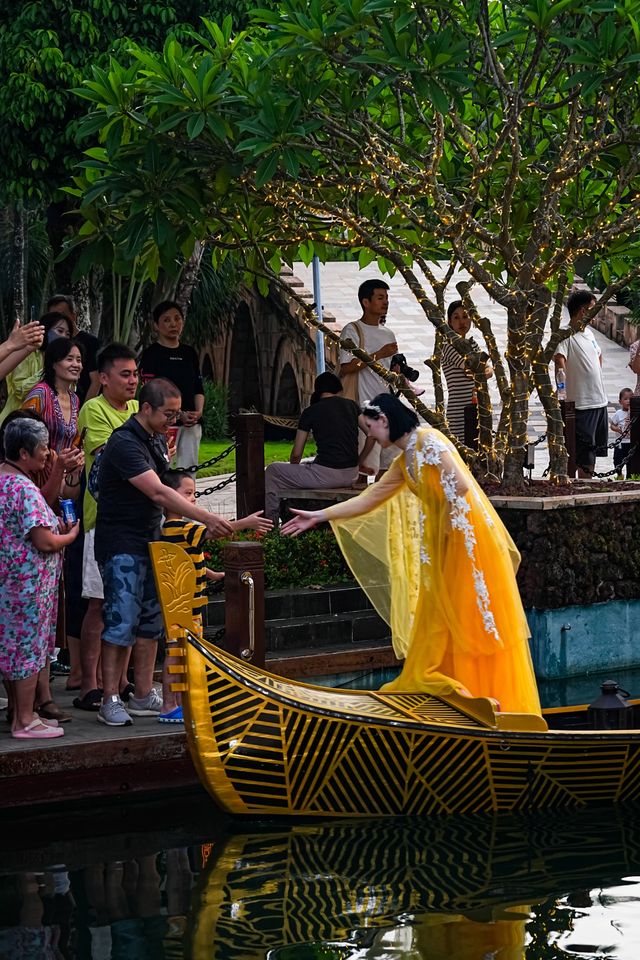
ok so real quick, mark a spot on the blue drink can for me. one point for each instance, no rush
(68, 511)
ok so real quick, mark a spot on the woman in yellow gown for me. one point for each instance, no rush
(439, 566)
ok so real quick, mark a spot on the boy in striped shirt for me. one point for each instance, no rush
(191, 536)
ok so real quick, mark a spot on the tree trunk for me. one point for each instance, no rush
(19, 264)
(558, 457)
(434, 365)
(189, 277)
(96, 299)
(81, 300)
(62, 221)
(487, 459)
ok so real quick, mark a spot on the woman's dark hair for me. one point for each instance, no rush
(161, 308)
(451, 309)
(401, 418)
(57, 350)
(22, 433)
(17, 415)
(173, 478)
(326, 382)
(49, 320)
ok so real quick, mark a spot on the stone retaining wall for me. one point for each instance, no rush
(577, 555)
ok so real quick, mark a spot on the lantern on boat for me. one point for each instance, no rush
(611, 711)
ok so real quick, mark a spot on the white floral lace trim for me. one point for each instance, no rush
(482, 506)
(431, 450)
(482, 599)
(424, 553)
(408, 454)
(458, 513)
(458, 510)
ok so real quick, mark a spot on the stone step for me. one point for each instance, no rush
(305, 664)
(322, 631)
(304, 603)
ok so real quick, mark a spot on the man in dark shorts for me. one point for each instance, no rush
(578, 361)
(131, 501)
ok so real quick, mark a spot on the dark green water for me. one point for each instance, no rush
(149, 881)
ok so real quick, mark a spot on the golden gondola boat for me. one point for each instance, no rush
(263, 745)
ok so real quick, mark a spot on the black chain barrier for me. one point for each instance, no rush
(210, 463)
(219, 486)
(213, 460)
(618, 469)
(610, 446)
(217, 637)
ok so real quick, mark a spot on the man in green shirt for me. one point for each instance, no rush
(99, 417)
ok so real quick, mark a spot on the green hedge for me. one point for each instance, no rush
(312, 558)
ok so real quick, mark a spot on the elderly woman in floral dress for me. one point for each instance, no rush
(33, 538)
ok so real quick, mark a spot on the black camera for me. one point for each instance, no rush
(399, 360)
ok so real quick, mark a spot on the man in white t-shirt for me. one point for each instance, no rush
(578, 361)
(379, 342)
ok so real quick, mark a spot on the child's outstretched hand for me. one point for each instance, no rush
(255, 521)
(214, 574)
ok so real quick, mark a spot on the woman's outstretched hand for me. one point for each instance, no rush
(303, 520)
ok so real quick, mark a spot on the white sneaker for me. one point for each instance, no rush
(149, 706)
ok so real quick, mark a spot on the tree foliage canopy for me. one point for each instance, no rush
(500, 137)
(45, 50)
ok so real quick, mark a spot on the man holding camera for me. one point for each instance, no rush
(374, 337)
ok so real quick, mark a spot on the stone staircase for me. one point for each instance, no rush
(312, 633)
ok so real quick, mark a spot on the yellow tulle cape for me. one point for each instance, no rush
(439, 566)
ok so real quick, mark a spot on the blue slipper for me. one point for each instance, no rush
(174, 716)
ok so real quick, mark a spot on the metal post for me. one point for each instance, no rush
(633, 466)
(249, 463)
(244, 602)
(568, 410)
(317, 296)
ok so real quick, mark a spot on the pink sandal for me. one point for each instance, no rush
(37, 730)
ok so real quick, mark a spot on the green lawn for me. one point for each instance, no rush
(273, 450)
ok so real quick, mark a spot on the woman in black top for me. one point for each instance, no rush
(334, 422)
(178, 362)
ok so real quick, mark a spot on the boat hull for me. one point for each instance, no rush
(267, 746)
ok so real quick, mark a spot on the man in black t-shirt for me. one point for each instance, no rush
(131, 500)
(178, 362)
(334, 422)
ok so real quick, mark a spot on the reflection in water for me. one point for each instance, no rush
(475, 888)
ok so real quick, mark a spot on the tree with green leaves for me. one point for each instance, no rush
(500, 138)
(47, 49)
